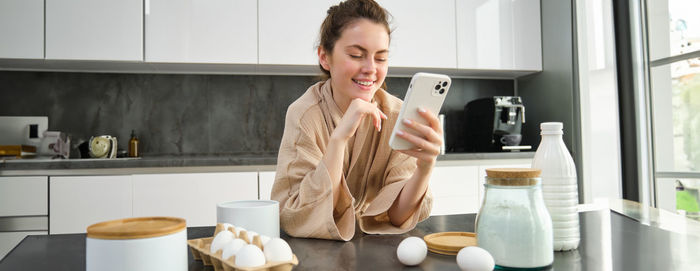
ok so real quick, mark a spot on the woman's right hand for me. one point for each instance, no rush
(356, 112)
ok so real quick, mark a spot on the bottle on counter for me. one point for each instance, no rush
(559, 185)
(133, 145)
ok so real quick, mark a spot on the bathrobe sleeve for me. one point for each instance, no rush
(303, 185)
(375, 218)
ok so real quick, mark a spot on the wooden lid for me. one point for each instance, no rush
(512, 176)
(513, 172)
(136, 228)
(449, 243)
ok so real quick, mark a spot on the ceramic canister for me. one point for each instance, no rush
(143, 243)
(261, 216)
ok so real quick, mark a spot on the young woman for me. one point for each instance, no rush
(335, 168)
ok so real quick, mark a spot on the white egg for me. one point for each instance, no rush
(412, 251)
(277, 250)
(226, 226)
(232, 248)
(264, 239)
(220, 240)
(250, 256)
(475, 259)
(251, 235)
(238, 230)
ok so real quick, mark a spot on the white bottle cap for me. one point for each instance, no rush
(551, 128)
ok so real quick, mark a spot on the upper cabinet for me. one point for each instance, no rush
(190, 31)
(22, 29)
(423, 33)
(463, 38)
(94, 30)
(288, 30)
(499, 35)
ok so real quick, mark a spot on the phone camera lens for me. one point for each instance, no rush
(437, 86)
(442, 91)
(444, 84)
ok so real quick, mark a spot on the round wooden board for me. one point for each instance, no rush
(449, 243)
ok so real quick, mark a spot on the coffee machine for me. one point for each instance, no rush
(491, 123)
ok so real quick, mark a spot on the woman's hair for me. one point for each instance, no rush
(342, 15)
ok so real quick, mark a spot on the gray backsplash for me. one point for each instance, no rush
(174, 114)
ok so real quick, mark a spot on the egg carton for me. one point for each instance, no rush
(201, 251)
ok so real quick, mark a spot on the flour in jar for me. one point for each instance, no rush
(515, 233)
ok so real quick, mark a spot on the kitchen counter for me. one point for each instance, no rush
(622, 236)
(169, 164)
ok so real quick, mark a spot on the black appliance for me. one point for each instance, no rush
(492, 123)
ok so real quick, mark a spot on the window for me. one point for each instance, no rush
(673, 28)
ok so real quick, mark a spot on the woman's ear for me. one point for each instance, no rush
(324, 59)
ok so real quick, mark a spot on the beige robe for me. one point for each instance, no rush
(373, 174)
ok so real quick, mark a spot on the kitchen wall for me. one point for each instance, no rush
(175, 114)
(555, 88)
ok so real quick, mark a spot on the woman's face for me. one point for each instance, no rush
(358, 63)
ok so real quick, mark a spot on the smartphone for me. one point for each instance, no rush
(426, 90)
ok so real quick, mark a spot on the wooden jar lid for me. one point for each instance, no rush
(512, 176)
(449, 243)
(136, 228)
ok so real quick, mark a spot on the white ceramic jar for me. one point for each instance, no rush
(261, 216)
(513, 223)
(137, 244)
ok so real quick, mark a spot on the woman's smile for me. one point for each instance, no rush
(364, 84)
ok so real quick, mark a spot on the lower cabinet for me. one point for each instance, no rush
(192, 196)
(266, 179)
(23, 209)
(454, 190)
(76, 202)
(23, 196)
(459, 189)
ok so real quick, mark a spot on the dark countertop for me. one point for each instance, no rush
(609, 241)
(201, 161)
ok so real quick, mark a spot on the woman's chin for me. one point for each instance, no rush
(365, 98)
(366, 95)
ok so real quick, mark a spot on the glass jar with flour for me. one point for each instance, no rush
(513, 223)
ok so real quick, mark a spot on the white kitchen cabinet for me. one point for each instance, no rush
(23, 209)
(94, 30)
(24, 196)
(288, 30)
(454, 190)
(192, 196)
(423, 33)
(22, 29)
(191, 31)
(76, 202)
(265, 180)
(499, 35)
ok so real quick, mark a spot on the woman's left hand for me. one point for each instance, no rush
(427, 142)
